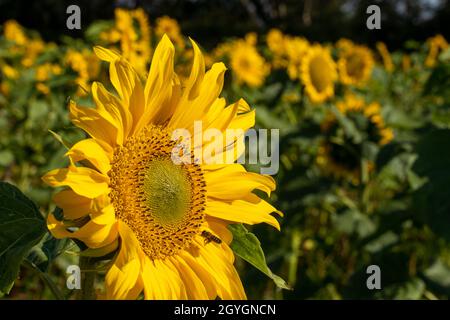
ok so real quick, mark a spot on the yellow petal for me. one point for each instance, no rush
(197, 287)
(161, 282)
(83, 181)
(106, 54)
(241, 211)
(124, 79)
(91, 121)
(92, 234)
(123, 279)
(90, 150)
(73, 205)
(215, 259)
(105, 216)
(197, 73)
(110, 104)
(158, 87)
(219, 227)
(196, 109)
(233, 182)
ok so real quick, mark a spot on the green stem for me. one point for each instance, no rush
(296, 241)
(53, 288)
(87, 291)
(47, 280)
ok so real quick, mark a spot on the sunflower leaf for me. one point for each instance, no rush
(431, 200)
(247, 246)
(21, 227)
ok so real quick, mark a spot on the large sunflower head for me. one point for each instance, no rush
(355, 65)
(340, 153)
(124, 191)
(247, 64)
(318, 74)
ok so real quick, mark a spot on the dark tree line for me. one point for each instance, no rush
(211, 20)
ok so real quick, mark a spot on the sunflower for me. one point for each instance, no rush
(247, 64)
(318, 74)
(131, 197)
(43, 73)
(276, 43)
(339, 155)
(355, 65)
(132, 33)
(344, 44)
(170, 27)
(436, 45)
(385, 56)
(14, 32)
(9, 72)
(296, 48)
(27, 48)
(86, 65)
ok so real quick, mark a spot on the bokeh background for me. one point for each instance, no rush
(364, 168)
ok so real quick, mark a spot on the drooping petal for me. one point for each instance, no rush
(104, 216)
(83, 181)
(233, 182)
(90, 150)
(92, 234)
(241, 211)
(73, 205)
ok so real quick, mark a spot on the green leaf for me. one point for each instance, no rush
(438, 274)
(43, 254)
(412, 289)
(247, 246)
(432, 200)
(6, 157)
(354, 222)
(21, 227)
(60, 139)
(439, 82)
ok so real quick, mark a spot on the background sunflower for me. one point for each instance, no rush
(362, 173)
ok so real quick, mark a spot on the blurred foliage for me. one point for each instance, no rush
(363, 160)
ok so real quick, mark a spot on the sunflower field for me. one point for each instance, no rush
(362, 178)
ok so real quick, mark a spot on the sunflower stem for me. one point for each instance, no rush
(87, 291)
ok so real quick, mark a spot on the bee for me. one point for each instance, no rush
(210, 237)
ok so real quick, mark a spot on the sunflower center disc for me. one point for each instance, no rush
(320, 77)
(168, 191)
(162, 203)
